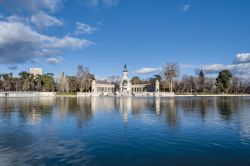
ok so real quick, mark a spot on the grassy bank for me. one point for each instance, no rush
(67, 94)
(213, 94)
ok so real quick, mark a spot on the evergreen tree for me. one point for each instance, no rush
(201, 81)
(136, 80)
(48, 83)
(223, 81)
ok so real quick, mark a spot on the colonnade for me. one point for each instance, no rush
(105, 89)
(138, 89)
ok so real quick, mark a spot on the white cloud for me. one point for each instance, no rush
(213, 68)
(101, 78)
(37, 9)
(15, 18)
(242, 58)
(42, 20)
(67, 42)
(82, 28)
(107, 3)
(51, 5)
(240, 70)
(148, 70)
(54, 60)
(186, 7)
(19, 43)
(187, 66)
(12, 67)
(31, 5)
(240, 66)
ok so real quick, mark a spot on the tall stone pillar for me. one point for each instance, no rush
(157, 86)
(93, 86)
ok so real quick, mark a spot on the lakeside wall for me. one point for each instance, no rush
(88, 94)
(155, 94)
(137, 94)
(27, 94)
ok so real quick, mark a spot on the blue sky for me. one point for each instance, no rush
(103, 35)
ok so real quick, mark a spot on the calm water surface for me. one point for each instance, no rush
(125, 131)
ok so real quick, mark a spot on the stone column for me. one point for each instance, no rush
(94, 86)
(157, 86)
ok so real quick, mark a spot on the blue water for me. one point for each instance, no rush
(125, 131)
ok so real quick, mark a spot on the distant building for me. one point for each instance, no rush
(36, 71)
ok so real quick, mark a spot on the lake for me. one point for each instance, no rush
(125, 131)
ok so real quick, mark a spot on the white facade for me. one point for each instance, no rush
(125, 86)
(36, 71)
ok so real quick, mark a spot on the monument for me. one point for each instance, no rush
(125, 85)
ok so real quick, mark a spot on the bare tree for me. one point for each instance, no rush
(84, 78)
(63, 83)
(209, 86)
(189, 84)
(82, 74)
(171, 71)
(114, 79)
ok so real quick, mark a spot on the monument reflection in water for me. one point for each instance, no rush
(126, 130)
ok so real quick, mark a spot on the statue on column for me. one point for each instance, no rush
(125, 68)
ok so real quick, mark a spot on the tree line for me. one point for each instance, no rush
(46, 82)
(225, 82)
(169, 79)
(27, 82)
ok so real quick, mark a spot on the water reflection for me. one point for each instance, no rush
(27, 110)
(81, 129)
(83, 109)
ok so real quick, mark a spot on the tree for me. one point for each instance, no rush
(48, 83)
(82, 73)
(114, 80)
(23, 75)
(171, 71)
(201, 81)
(32, 81)
(136, 80)
(84, 78)
(63, 84)
(153, 79)
(188, 84)
(7, 82)
(39, 83)
(26, 84)
(158, 77)
(209, 86)
(72, 84)
(20, 81)
(223, 81)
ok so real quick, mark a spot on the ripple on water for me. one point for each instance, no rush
(135, 131)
